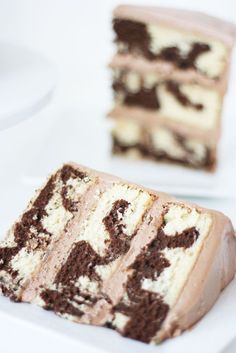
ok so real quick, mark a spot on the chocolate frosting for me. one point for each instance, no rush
(194, 21)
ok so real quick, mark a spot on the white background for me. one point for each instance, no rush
(76, 36)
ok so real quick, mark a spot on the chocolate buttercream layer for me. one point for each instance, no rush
(128, 257)
(163, 71)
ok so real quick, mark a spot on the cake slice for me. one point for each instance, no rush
(172, 65)
(124, 256)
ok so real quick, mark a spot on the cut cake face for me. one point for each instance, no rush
(98, 250)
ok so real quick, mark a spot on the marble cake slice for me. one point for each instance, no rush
(127, 258)
(171, 65)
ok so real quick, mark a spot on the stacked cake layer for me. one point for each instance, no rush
(171, 67)
(98, 250)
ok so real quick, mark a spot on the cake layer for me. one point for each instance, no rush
(127, 257)
(189, 103)
(41, 225)
(185, 39)
(160, 142)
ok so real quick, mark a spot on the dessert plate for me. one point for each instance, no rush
(27, 81)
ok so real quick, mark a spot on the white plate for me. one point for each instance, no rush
(26, 83)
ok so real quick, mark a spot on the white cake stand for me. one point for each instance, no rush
(27, 81)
